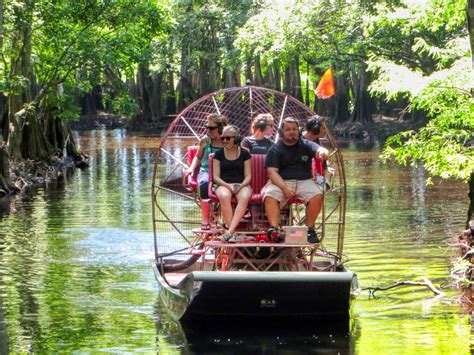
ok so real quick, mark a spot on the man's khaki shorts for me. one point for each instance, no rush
(305, 190)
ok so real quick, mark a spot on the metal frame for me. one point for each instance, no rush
(240, 105)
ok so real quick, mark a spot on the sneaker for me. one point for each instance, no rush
(205, 226)
(275, 235)
(312, 236)
(228, 237)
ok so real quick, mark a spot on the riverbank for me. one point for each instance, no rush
(379, 129)
(463, 270)
(29, 173)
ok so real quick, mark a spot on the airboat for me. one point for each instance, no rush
(200, 276)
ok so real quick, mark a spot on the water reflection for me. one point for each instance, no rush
(75, 274)
(270, 338)
(253, 337)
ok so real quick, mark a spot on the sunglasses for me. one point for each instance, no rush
(211, 128)
(227, 138)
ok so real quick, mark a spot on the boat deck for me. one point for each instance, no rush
(220, 256)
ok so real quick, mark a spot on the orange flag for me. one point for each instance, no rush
(325, 88)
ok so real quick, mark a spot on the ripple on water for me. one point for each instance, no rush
(112, 246)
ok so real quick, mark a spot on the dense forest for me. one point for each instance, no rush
(146, 60)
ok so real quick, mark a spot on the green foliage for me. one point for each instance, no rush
(431, 70)
(205, 30)
(75, 43)
(62, 105)
(124, 104)
(420, 35)
(319, 33)
(442, 146)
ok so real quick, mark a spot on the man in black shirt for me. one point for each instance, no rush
(288, 164)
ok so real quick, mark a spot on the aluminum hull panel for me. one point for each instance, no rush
(246, 294)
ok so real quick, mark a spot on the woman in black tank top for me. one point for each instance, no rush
(231, 175)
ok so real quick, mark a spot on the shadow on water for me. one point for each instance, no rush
(252, 336)
(261, 337)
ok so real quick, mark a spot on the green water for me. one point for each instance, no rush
(75, 274)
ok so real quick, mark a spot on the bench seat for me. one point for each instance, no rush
(258, 180)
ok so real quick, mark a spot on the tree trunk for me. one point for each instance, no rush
(20, 67)
(145, 86)
(297, 90)
(3, 109)
(156, 96)
(248, 71)
(87, 103)
(277, 73)
(287, 80)
(25, 138)
(91, 102)
(470, 211)
(55, 139)
(132, 89)
(6, 186)
(362, 112)
(186, 93)
(230, 78)
(70, 147)
(269, 78)
(34, 144)
(306, 94)
(170, 93)
(1, 25)
(292, 80)
(341, 107)
(214, 76)
(201, 79)
(470, 28)
(258, 77)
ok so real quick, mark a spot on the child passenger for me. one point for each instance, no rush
(262, 128)
(231, 175)
(210, 143)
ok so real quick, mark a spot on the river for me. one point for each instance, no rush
(75, 275)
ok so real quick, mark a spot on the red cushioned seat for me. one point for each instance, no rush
(317, 167)
(259, 177)
(189, 180)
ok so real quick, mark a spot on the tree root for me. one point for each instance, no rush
(462, 271)
(426, 283)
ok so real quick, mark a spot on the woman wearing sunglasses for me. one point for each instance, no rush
(231, 175)
(210, 143)
(262, 128)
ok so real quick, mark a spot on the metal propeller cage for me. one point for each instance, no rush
(176, 210)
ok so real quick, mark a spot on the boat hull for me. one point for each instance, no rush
(205, 294)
